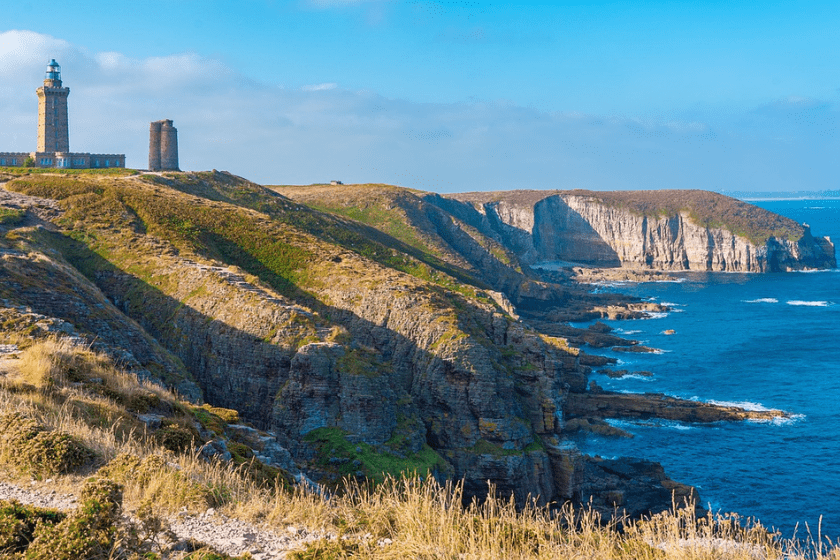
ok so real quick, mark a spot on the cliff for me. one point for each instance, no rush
(663, 230)
(371, 329)
(309, 325)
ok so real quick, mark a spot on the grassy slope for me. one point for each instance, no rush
(214, 216)
(704, 207)
(396, 211)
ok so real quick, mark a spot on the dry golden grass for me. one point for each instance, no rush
(402, 518)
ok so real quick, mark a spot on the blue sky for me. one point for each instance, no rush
(446, 96)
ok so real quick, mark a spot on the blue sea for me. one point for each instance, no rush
(756, 340)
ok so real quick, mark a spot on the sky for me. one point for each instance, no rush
(445, 96)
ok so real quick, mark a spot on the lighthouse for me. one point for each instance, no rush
(53, 134)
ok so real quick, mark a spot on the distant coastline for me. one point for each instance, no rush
(748, 196)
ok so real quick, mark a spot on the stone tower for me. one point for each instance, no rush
(53, 134)
(163, 146)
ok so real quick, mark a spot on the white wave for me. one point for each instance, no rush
(778, 421)
(761, 300)
(652, 423)
(668, 281)
(746, 405)
(671, 424)
(656, 315)
(808, 303)
(671, 304)
(612, 283)
(623, 331)
(615, 423)
(645, 378)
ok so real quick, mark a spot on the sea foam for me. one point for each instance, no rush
(761, 300)
(808, 303)
(655, 315)
(746, 405)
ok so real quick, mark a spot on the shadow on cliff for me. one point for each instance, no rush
(563, 234)
(559, 233)
(236, 369)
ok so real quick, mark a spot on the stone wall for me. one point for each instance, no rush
(63, 160)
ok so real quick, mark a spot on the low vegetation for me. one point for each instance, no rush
(408, 517)
(110, 172)
(337, 453)
(11, 216)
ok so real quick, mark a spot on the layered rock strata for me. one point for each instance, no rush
(575, 227)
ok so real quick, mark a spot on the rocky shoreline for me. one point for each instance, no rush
(600, 404)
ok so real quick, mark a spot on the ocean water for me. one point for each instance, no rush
(758, 340)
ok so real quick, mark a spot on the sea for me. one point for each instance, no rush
(756, 341)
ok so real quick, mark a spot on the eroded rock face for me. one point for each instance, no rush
(578, 228)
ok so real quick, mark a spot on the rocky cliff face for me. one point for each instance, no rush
(582, 228)
(411, 367)
(385, 343)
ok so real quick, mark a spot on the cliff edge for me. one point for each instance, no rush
(662, 230)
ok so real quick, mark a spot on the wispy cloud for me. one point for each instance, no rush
(319, 132)
(320, 87)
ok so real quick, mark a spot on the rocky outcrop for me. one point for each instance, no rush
(582, 228)
(604, 404)
(634, 487)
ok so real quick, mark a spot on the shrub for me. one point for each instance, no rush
(32, 448)
(176, 438)
(90, 532)
(18, 524)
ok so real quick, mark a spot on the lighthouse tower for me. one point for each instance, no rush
(53, 135)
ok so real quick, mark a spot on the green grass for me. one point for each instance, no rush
(387, 221)
(376, 465)
(358, 361)
(11, 216)
(280, 246)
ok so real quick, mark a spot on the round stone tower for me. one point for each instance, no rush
(53, 133)
(163, 146)
(168, 146)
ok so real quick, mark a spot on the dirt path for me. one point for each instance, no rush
(225, 534)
